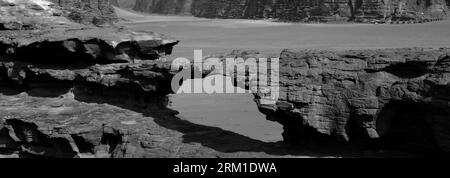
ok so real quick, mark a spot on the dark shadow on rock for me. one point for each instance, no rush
(51, 92)
(212, 137)
(155, 106)
(48, 92)
(414, 128)
(408, 70)
(4, 90)
(52, 66)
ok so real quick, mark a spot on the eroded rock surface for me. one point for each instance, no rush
(388, 99)
(108, 111)
(41, 35)
(305, 10)
(64, 93)
(78, 44)
(96, 12)
(72, 90)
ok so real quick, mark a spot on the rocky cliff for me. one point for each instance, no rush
(69, 90)
(127, 4)
(393, 99)
(293, 10)
(58, 70)
(165, 6)
(97, 12)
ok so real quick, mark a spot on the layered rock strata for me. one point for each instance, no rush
(97, 12)
(293, 10)
(69, 90)
(384, 99)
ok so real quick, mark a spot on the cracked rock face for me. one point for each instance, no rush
(103, 111)
(96, 12)
(66, 127)
(28, 14)
(393, 98)
(41, 36)
(78, 44)
(71, 90)
(382, 101)
(294, 10)
(93, 12)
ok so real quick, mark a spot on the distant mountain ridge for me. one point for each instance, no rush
(291, 10)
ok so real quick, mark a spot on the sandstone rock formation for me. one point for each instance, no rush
(97, 12)
(77, 44)
(379, 100)
(34, 31)
(293, 10)
(127, 4)
(55, 76)
(70, 90)
(386, 99)
(182, 7)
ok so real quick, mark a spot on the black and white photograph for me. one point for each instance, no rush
(230, 80)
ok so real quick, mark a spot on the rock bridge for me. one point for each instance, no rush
(94, 98)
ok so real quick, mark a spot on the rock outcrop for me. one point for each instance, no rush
(69, 90)
(57, 69)
(182, 7)
(93, 12)
(52, 110)
(97, 12)
(383, 99)
(126, 4)
(34, 31)
(77, 44)
(293, 10)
